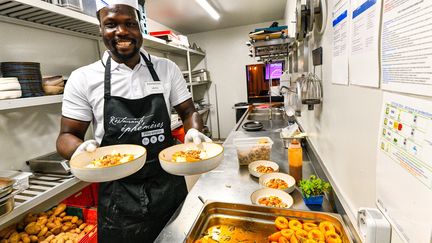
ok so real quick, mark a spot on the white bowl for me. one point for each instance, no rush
(254, 165)
(266, 192)
(214, 157)
(277, 175)
(79, 164)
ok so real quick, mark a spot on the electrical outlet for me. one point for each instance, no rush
(374, 227)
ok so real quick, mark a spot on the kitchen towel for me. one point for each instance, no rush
(10, 94)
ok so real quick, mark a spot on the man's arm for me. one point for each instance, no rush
(189, 115)
(71, 135)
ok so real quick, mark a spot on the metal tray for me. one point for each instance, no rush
(256, 218)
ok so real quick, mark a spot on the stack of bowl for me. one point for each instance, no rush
(28, 74)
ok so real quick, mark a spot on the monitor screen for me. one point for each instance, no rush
(273, 70)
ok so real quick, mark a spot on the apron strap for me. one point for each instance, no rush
(107, 75)
(107, 78)
(150, 67)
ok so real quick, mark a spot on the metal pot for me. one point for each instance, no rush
(6, 205)
(6, 186)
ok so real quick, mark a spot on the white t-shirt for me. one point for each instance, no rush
(83, 97)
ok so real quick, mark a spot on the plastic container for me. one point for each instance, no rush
(89, 216)
(295, 160)
(252, 149)
(83, 198)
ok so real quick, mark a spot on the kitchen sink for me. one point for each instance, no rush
(266, 116)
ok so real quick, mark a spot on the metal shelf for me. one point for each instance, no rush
(29, 102)
(41, 189)
(164, 46)
(44, 15)
(275, 49)
(198, 83)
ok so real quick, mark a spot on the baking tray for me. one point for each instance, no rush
(257, 219)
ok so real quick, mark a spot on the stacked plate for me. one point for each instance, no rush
(6, 195)
(28, 74)
(53, 85)
(10, 88)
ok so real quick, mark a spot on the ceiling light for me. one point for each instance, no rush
(210, 10)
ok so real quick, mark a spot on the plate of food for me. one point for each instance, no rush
(272, 198)
(188, 159)
(261, 167)
(108, 163)
(277, 180)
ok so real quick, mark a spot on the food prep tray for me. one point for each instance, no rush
(256, 218)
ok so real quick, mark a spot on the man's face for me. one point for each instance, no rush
(120, 31)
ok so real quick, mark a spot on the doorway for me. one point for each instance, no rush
(258, 77)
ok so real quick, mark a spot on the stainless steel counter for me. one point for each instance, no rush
(231, 183)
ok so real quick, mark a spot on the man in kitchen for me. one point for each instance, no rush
(130, 84)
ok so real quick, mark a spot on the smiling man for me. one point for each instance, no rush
(128, 96)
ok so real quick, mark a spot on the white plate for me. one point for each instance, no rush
(266, 192)
(252, 167)
(214, 158)
(277, 175)
(79, 164)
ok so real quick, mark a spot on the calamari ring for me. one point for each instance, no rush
(301, 234)
(281, 223)
(275, 236)
(309, 226)
(295, 225)
(325, 226)
(294, 239)
(310, 241)
(316, 234)
(332, 237)
(287, 233)
(283, 240)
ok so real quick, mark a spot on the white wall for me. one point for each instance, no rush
(344, 131)
(227, 56)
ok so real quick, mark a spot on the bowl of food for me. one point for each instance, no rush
(108, 163)
(272, 198)
(260, 167)
(277, 180)
(188, 159)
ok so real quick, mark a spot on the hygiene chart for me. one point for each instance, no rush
(340, 24)
(406, 46)
(364, 42)
(404, 165)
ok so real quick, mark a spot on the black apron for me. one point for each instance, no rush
(136, 208)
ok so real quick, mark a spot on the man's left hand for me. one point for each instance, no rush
(196, 137)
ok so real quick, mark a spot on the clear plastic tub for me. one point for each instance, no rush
(252, 149)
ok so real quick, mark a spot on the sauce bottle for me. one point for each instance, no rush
(295, 160)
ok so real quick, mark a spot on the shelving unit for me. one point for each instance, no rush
(271, 50)
(29, 102)
(43, 15)
(42, 188)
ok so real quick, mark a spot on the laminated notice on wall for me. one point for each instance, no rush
(340, 23)
(364, 42)
(404, 166)
(406, 46)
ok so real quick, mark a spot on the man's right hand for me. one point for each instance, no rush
(87, 146)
